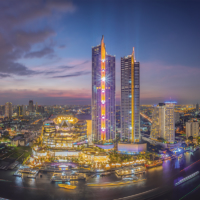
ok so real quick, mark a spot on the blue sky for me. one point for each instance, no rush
(45, 52)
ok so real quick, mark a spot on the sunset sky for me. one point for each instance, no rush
(45, 48)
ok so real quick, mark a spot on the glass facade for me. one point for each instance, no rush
(130, 99)
(103, 94)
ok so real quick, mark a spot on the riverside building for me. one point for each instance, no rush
(163, 123)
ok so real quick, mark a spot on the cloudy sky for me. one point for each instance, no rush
(45, 48)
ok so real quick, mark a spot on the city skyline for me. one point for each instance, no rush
(99, 99)
(46, 49)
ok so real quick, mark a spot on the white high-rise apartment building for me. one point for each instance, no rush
(192, 129)
(163, 123)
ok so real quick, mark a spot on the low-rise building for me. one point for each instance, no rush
(94, 157)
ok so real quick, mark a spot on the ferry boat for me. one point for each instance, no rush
(33, 174)
(154, 164)
(27, 170)
(129, 178)
(140, 170)
(71, 187)
(67, 177)
(122, 172)
(17, 174)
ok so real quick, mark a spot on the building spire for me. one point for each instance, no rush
(102, 40)
(133, 54)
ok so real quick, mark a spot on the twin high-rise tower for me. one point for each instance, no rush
(130, 98)
(103, 96)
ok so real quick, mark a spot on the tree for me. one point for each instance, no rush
(160, 139)
(190, 138)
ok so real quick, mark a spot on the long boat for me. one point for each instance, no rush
(139, 170)
(154, 164)
(71, 187)
(57, 177)
(187, 178)
(17, 174)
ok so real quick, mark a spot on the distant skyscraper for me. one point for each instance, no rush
(19, 110)
(130, 98)
(197, 107)
(40, 109)
(192, 129)
(23, 110)
(8, 110)
(30, 106)
(103, 94)
(163, 123)
(2, 110)
(36, 106)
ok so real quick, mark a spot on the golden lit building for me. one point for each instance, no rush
(163, 123)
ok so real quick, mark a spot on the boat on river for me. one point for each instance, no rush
(70, 187)
(187, 178)
(154, 164)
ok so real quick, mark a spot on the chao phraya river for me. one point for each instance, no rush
(158, 181)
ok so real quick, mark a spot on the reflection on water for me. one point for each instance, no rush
(31, 181)
(177, 164)
(167, 174)
(18, 181)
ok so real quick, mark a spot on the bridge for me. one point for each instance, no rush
(146, 117)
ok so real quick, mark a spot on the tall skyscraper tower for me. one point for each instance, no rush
(36, 106)
(23, 110)
(30, 106)
(130, 98)
(197, 107)
(19, 110)
(8, 110)
(103, 94)
(163, 123)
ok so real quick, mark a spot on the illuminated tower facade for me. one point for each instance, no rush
(103, 94)
(130, 99)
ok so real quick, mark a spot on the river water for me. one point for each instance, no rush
(158, 178)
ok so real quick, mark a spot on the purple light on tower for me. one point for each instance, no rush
(103, 94)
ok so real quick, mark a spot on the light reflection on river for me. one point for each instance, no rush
(42, 188)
